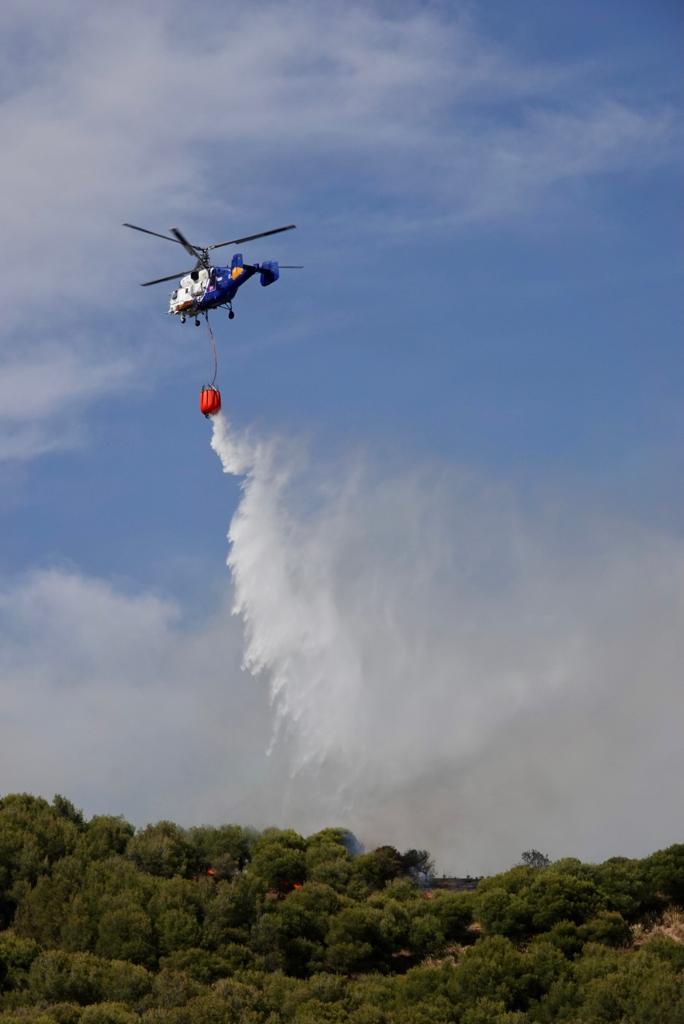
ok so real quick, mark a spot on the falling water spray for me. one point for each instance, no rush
(446, 672)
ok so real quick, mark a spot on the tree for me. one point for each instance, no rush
(176, 910)
(642, 990)
(102, 887)
(291, 932)
(355, 940)
(279, 859)
(328, 862)
(426, 934)
(16, 957)
(608, 928)
(200, 964)
(492, 968)
(335, 836)
(502, 912)
(492, 1011)
(160, 849)
(524, 902)
(418, 865)
(64, 808)
(104, 836)
(56, 976)
(230, 1002)
(124, 982)
(33, 837)
(534, 859)
(174, 988)
(378, 867)
(665, 871)
(554, 897)
(455, 914)
(232, 911)
(666, 948)
(226, 849)
(41, 910)
(177, 929)
(108, 1013)
(125, 933)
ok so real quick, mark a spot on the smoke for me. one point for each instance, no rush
(447, 670)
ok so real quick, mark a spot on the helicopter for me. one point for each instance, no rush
(208, 287)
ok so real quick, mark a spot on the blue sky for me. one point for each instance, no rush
(489, 211)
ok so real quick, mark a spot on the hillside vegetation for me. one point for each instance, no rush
(103, 924)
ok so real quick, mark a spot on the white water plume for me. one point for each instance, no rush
(445, 671)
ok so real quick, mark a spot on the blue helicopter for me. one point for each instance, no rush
(208, 287)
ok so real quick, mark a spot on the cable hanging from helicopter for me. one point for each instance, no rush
(210, 396)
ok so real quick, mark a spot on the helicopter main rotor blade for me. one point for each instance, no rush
(148, 232)
(290, 266)
(249, 238)
(182, 240)
(171, 277)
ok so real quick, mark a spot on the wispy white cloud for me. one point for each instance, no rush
(42, 398)
(125, 119)
(110, 696)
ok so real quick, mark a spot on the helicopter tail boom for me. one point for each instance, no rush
(269, 272)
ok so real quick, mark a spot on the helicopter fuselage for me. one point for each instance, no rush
(207, 288)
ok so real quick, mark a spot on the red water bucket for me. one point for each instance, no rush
(210, 400)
